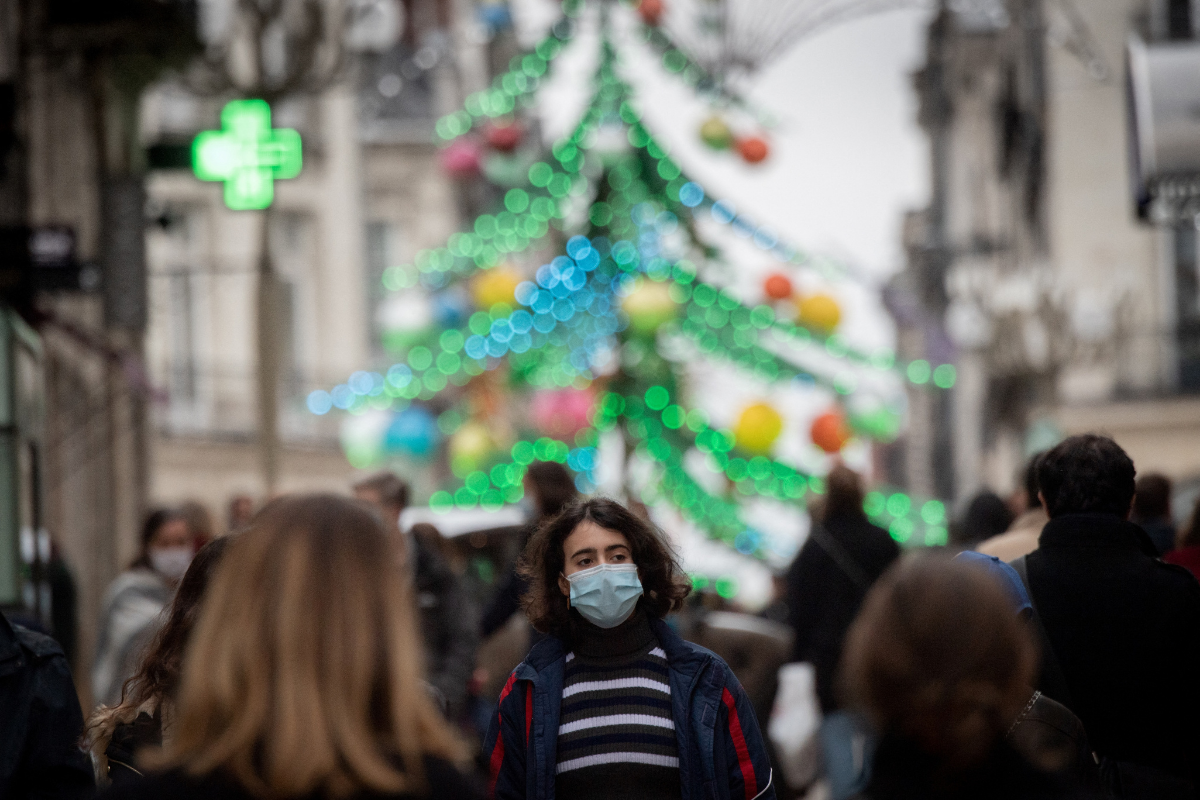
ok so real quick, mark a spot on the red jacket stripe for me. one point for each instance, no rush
(739, 744)
(497, 758)
(528, 712)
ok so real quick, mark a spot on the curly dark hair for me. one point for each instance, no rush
(543, 561)
(1086, 474)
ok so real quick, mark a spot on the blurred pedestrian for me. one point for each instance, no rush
(549, 488)
(1022, 535)
(40, 720)
(1123, 627)
(117, 734)
(133, 605)
(240, 512)
(448, 618)
(1152, 510)
(199, 521)
(303, 675)
(941, 666)
(987, 515)
(842, 557)
(612, 703)
(1187, 550)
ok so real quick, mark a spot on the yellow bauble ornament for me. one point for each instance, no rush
(471, 444)
(819, 312)
(649, 305)
(757, 428)
(496, 285)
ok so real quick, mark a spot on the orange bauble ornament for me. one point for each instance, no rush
(651, 11)
(754, 149)
(777, 286)
(830, 431)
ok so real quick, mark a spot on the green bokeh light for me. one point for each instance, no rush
(945, 376)
(919, 371)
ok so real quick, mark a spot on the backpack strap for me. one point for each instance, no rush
(1053, 682)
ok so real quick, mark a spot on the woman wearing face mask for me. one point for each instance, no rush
(133, 604)
(612, 703)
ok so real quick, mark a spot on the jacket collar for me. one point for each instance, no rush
(681, 655)
(10, 647)
(1105, 531)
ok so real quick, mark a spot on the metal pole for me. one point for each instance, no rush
(268, 359)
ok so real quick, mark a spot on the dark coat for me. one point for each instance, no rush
(449, 628)
(721, 751)
(40, 720)
(445, 783)
(823, 599)
(1125, 628)
(902, 772)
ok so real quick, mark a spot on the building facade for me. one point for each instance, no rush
(1064, 312)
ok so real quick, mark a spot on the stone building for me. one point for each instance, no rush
(1063, 311)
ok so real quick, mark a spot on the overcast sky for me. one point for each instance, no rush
(848, 157)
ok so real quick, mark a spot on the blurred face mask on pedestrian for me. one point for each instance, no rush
(171, 550)
(599, 577)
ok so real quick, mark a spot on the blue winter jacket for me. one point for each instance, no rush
(721, 752)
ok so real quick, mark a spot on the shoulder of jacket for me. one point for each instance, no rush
(1181, 576)
(39, 645)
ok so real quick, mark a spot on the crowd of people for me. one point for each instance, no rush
(324, 650)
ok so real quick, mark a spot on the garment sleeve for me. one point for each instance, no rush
(507, 741)
(55, 768)
(742, 753)
(505, 602)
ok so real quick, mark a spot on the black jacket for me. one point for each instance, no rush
(449, 627)
(1125, 628)
(40, 720)
(823, 597)
(445, 783)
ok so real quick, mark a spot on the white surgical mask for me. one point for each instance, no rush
(171, 562)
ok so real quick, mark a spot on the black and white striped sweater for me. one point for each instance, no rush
(616, 734)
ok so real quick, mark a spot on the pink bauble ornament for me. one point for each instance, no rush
(562, 413)
(460, 158)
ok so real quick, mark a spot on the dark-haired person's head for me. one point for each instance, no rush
(1030, 481)
(938, 659)
(166, 543)
(1152, 498)
(1087, 474)
(843, 493)
(987, 515)
(550, 487)
(388, 493)
(589, 534)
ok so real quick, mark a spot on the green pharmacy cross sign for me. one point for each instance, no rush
(247, 154)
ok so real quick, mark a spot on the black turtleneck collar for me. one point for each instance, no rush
(633, 637)
(1096, 530)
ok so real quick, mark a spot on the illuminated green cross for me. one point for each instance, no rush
(247, 154)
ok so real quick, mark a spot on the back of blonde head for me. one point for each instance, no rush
(304, 671)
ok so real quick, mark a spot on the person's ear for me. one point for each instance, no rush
(564, 585)
(1042, 500)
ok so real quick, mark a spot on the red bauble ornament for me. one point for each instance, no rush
(830, 431)
(754, 149)
(651, 11)
(504, 136)
(777, 286)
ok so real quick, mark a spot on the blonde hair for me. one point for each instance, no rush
(304, 671)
